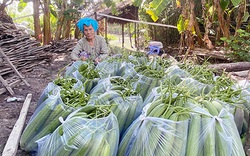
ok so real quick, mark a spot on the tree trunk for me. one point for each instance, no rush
(223, 23)
(67, 27)
(60, 21)
(59, 27)
(241, 12)
(46, 19)
(229, 67)
(77, 31)
(191, 25)
(37, 27)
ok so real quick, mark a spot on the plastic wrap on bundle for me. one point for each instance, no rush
(195, 87)
(144, 85)
(71, 69)
(52, 89)
(175, 74)
(124, 68)
(88, 84)
(130, 72)
(79, 136)
(126, 109)
(137, 60)
(213, 135)
(154, 136)
(44, 120)
(106, 84)
(107, 69)
(244, 87)
(154, 94)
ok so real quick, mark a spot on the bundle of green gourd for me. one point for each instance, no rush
(88, 131)
(125, 102)
(115, 83)
(163, 128)
(188, 110)
(147, 76)
(88, 75)
(72, 97)
(63, 99)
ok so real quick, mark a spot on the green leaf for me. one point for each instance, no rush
(52, 10)
(21, 5)
(78, 2)
(236, 2)
(152, 14)
(181, 24)
(223, 38)
(158, 6)
(137, 3)
(108, 3)
(224, 4)
(246, 16)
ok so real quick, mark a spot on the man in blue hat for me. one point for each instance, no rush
(91, 46)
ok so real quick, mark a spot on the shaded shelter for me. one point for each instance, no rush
(125, 10)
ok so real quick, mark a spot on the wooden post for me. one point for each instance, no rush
(135, 35)
(106, 29)
(130, 35)
(122, 35)
(97, 21)
(11, 146)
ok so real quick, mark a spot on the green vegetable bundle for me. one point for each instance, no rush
(60, 102)
(115, 83)
(89, 131)
(44, 121)
(213, 135)
(108, 68)
(154, 136)
(126, 108)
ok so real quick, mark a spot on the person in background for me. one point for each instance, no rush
(91, 46)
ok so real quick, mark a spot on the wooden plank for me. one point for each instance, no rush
(11, 146)
(13, 67)
(6, 85)
(3, 90)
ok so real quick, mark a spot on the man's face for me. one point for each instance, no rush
(89, 31)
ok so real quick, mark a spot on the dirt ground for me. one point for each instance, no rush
(38, 78)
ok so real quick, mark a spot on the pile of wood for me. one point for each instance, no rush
(23, 51)
(61, 46)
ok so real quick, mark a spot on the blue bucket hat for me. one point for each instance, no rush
(87, 21)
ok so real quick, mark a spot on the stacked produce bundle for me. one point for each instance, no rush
(160, 108)
(125, 101)
(89, 131)
(59, 99)
(84, 72)
(147, 76)
(177, 123)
